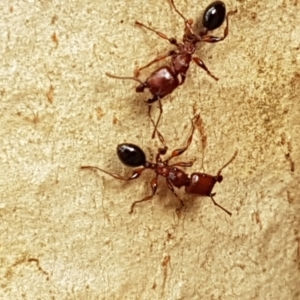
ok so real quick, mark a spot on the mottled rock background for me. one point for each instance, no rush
(67, 234)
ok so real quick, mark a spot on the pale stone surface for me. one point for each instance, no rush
(67, 234)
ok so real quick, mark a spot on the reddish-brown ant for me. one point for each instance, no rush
(166, 79)
(197, 183)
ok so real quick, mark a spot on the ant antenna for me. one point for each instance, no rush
(229, 162)
(180, 14)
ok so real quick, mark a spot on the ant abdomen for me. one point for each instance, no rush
(214, 15)
(131, 155)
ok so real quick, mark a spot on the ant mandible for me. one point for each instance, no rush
(197, 183)
(166, 79)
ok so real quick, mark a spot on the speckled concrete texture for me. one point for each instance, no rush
(66, 233)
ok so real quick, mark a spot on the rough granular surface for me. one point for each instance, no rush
(66, 233)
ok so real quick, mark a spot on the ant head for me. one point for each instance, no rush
(131, 155)
(219, 178)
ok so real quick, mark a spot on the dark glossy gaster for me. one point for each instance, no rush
(197, 183)
(164, 80)
(214, 15)
(131, 155)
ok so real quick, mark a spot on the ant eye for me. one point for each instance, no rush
(214, 15)
(131, 155)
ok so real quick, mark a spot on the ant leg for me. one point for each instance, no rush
(188, 23)
(180, 14)
(228, 163)
(163, 150)
(154, 188)
(215, 203)
(160, 34)
(157, 59)
(215, 39)
(201, 128)
(170, 186)
(135, 173)
(178, 152)
(198, 61)
(183, 164)
(157, 122)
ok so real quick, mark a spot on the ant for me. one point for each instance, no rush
(197, 183)
(167, 78)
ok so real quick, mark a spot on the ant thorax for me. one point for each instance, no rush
(177, 177)
(181, 63)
